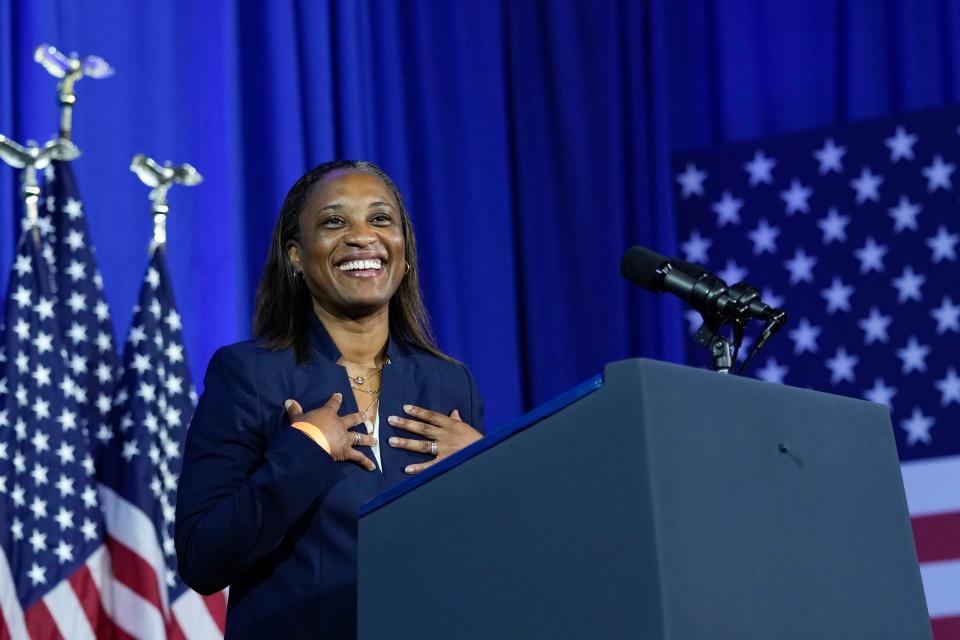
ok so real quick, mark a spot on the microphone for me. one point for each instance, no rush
(654, 272)
(704, 291)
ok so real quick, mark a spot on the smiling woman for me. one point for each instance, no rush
(285, 445)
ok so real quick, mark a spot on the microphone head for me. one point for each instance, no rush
(640, 266)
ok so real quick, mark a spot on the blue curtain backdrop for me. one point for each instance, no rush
(532, 140)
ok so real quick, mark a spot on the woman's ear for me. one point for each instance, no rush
(293, 253)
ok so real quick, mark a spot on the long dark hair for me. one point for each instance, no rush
(283, 301)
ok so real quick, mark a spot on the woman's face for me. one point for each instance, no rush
(351, 248)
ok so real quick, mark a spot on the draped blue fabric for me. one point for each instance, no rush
(531, 140)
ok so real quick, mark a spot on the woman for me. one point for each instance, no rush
(342, 394)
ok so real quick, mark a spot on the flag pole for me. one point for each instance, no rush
(69, 69)
(162, 178)
(30, 158)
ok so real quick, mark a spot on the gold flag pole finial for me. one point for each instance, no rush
(69, 69)
(162, 178)
(32, 158)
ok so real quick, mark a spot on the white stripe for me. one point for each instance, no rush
(134, 529)
(98, 564)
(126, 608)
(194, 618)
(9, 603)
(941, 582)
(68, 613)
(932, 485)
(137, 616)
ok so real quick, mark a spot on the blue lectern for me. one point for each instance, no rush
(659, 502)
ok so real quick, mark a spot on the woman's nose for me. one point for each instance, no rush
(360, 235)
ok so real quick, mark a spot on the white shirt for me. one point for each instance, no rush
(373, 429)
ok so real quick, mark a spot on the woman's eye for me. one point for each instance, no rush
(333, 221)
(382, 218)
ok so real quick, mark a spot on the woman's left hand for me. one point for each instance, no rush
(450, 433)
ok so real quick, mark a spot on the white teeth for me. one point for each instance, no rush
(355, 265)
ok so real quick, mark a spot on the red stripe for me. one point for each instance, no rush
(174, 632)
(217, 605)
(937, 537)
(89, 597)
(131, 570)
(40, 624)
(946, 628)
(4, 631)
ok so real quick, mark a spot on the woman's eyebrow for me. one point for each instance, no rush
(334, 207)
(379, 203)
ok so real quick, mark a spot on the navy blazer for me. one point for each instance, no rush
(263, 509)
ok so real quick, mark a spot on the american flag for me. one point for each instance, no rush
(855, 232)
(152, 408)
(53, 565)
(81, 308)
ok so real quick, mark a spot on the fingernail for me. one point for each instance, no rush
(286, 405)
(407, 407)
(394, 441)
(408, 470)
(392, 419)
(338, 396)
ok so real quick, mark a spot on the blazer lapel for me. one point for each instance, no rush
(392, 394)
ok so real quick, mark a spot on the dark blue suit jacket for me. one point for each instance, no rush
(263, 509)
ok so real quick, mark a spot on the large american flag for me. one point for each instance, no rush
(140, 468)
(81, 308)
(855, 232)
(54, 571)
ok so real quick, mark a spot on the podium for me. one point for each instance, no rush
(660, 501)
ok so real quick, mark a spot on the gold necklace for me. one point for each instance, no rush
(357, 382)
(369, 406)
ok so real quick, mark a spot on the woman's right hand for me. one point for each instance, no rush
(331, 431)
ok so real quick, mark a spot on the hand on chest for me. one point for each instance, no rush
(380, 395)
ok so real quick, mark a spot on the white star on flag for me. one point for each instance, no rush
(800, 267)
(804, 337)
(917, 427)
(908, 285)
(841, 366)
(692, 181)
(871, 256)
(905, 215)
(764, 237)
(728, 209)
(796, 198)
(867, 186)
(880, 393)
(837, 296)
(772, 371)
(732, 272)
(760, 169)
(938, 174)
(829, 156)
(949, 387)
(913, 356)
(947, 316)
(875, 327)
(901, 145)
(695, 248)
(834, 226)
(943, 245)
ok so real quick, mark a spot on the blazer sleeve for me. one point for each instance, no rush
(239, 495)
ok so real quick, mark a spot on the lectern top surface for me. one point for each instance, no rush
(523, 422)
